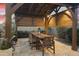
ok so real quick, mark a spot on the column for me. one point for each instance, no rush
(8, 22)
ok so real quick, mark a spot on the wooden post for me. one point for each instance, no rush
(56, 18)
(8, 22)
(9, 11)
(74, 27)
(56, 13)
(46, 25)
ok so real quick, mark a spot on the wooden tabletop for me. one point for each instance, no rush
(41, 35)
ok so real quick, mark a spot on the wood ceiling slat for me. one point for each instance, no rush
(35, 9)
(39, 7)
(16, 7)
(46, 8)
(30, 8)
(49, 8)
(34, 15)
(36, 5)
(42, 9)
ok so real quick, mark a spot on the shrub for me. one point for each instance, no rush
(5, 45)
(69, 35)
(61, 32)
(22, 34)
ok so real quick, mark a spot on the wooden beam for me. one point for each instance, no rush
(57, 9)
(30, 8)
(8, 22)
(68, 15)
(18, 5)
(46, 9)
(29, 15)
(39, 8)
(56, 18)
(74, 28)
(56, 14)
(46, 24)
(42, 9)
(18, 18)
(74, 31)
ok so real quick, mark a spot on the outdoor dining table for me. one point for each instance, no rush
(40, 37)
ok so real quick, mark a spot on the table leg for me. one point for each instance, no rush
(43, 52)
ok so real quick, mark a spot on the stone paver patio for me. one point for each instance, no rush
(23, 49)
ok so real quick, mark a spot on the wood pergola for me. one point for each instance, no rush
(40, 10)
